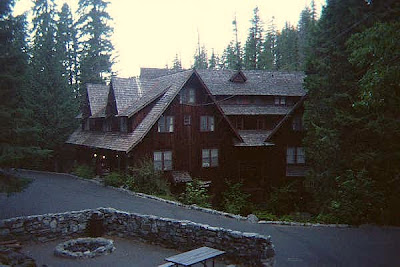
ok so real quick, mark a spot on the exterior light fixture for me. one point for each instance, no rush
(116, 156)
(94, 155)
(104, 157)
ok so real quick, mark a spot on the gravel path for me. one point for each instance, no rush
(295, 245)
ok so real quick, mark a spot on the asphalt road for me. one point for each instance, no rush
(295, 246)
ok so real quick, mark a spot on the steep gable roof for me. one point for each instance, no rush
(286, 118)
(259, 82)
(97, 98)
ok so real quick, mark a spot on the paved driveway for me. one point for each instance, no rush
(295, 246)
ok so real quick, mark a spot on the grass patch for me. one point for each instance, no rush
(11, 184)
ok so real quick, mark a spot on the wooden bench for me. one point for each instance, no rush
(199, 255)
(168, 264)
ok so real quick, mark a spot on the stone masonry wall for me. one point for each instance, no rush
(246, 248)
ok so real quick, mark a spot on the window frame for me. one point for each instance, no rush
(187, 96)
(297, 123)
(187, 120)
(163, 163)
(296, 155)
(280, 100)
(209, 123)
(209, 157)
(165, 124)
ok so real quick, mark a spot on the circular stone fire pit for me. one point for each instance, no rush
(84, 248)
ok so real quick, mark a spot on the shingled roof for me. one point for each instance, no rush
(254, 110)
(253, 138)
(258, 82)
(97, 97)
(152, 73)
(125, 142)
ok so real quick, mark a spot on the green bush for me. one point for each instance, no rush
(84, 171)
(114, 179)
(195, 193)
(145, 179)
(234, 199)
(264, 215)
(285, 199)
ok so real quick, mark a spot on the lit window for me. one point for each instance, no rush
(162, 160)
(187, 96)
(295, 155)
(209, 158)
(280, 100)
(166, 124)
(206, 123)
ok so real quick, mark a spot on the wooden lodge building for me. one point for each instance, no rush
(209, 124)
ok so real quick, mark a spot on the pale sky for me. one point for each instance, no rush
(149, 33)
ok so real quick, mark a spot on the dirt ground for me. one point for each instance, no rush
(128, 252)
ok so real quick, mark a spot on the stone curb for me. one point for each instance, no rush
(194, 206)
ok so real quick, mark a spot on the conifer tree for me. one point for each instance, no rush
(287, 49)
(94, 33)
(229, 59)
(49, 97)
(253, 46)
(305, 28)
(213, 62)
(267, 60)
(68, 45)
(176, 64)
(14, 131)
(200, 58)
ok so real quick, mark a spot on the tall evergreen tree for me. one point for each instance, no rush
(305, 28)
(49, 97)
(14, 132)
(176, 64)
(213, 62)
(229, 59)
(200, 58)
(253, 46)
(68, 45)
(351, 163)
(94, 32)
(287, 49)
(267, 60)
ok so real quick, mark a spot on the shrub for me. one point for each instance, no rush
(84, 171)
(145, 179)
(286, 199)
(114, 179)
(195, 193)
(263, 215)
(234, 199)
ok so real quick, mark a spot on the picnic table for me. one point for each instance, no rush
(199, 255)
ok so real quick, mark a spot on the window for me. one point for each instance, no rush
(280, 100)
(162, 160)
(187, 120)
(166, 124)
(295, 155)
(209, 158)
(206, 123)
(261, 124)
(239, 123)
(187, 96)
(297, 123)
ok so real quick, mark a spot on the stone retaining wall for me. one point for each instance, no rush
(246, 248)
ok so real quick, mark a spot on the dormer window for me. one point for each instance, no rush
(280, 100)
(238, 77)
(166, 124)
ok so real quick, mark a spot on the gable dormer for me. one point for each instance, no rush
(238, 77)
(111, 108)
